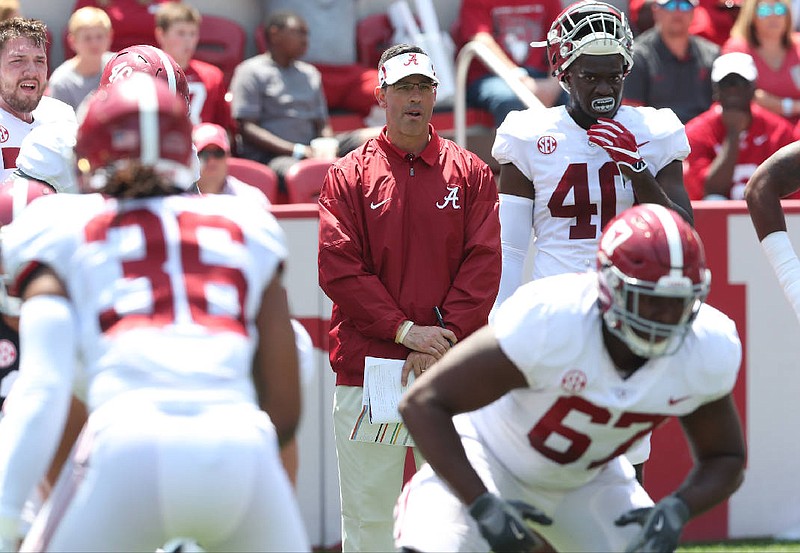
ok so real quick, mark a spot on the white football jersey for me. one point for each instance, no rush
(166, 290)
(578, 188)
(13, 130)
(578, 412)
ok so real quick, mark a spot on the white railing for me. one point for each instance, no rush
(490, 60)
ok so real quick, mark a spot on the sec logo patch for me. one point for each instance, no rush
(574, 381)
(8, 353)
(547, 144)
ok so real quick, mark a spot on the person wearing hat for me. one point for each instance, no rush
(671, 66)
(213, 150)
(409, 254)
(734, 136)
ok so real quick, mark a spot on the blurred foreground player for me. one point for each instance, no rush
(582, 366)
(176, 307)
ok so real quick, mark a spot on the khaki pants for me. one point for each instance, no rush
(370, 479)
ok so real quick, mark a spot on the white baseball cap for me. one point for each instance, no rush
(735, 62)
(403, 65)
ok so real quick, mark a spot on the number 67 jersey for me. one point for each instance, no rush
(578, 413)
(578, 188)
(166, 289)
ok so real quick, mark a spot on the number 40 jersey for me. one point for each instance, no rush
(578, 188)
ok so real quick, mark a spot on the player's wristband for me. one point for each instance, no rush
(402, 331)
(299, 151)
(783, 259)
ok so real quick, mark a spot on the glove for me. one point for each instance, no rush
(661, 525)
(502, 523)
(619, 142)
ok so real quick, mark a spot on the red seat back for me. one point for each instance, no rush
(221, 43)
(304, 180)
(255, 174)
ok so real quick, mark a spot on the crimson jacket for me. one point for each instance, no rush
(400, 234)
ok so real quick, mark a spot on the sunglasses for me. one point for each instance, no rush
(211, 153)
(678, 5)
(765, 10)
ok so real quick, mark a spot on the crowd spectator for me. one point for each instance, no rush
(278, 101)
(23, 79)
(89, 35)
(132, 20)
(712, 19)
(177, 33)
(734, 136)
(764, 30)
(348, 85)
(9, 9)
(214, 149)
(380, 207)
(507, 28)
(671, 67)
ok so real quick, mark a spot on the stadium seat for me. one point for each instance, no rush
(221, 43)
(373, 35)
(304, 180)
(255, 174)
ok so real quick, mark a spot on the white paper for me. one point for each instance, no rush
(382, 389)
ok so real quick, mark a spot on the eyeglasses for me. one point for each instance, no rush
(406, 88)
(765, 10)
(677, 5)
(211, 153)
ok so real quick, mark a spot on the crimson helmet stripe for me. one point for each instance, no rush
(150, 138)
(673, 235)
(172, 80)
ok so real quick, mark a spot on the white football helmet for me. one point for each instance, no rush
(588, 27)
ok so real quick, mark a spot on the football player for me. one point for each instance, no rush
(23, 79)
(582, 365)
(176, 308)
(774, 179)
(567, 171)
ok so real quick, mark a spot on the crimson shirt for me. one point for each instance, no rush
(400, 234)
(207, 94)
(767, 133)
(513, 24)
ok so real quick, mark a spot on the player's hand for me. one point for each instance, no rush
(432, 340)
(619, 142)
(662, 525)
(502, 523)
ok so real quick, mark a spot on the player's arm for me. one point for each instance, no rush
(37, 408)
(715, 436)
(772, 180)
(516, 226)
(275, 365)
(448, 388)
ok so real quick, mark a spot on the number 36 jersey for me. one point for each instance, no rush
(166, 290)
(577, 412)
(578, 188)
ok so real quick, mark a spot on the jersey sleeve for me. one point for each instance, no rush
(717, 350)
(660, 135)
(29, 240)
(518, 134)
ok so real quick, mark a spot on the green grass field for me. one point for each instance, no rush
(742, 546)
